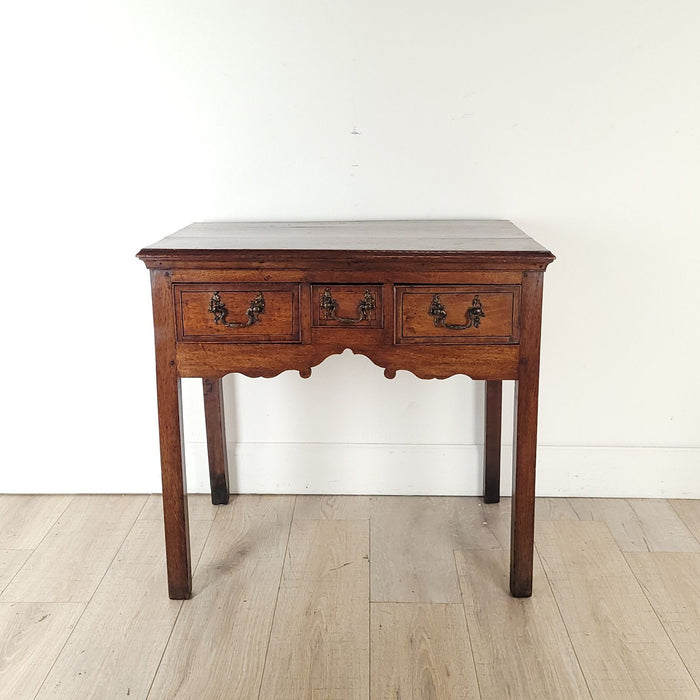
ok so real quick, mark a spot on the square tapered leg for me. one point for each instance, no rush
(216, 440)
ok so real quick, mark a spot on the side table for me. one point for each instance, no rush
(436, 298)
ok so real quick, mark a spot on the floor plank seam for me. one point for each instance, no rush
(97, 587)
(682, 519)
(179, 610)
(466, 622)
(165, 647)
(640, 524)
(571, 505)
(563, 621)
(16, 574)
(661, 622)
(277, 596)
(46, 534)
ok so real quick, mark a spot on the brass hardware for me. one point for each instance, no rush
(365, 307)
(218, 308)
(474, 314)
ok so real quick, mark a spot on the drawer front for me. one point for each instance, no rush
(347, 306)
(459, 314)
(238, 313)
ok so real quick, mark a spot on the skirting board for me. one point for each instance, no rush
(597, 472)
(621, 472)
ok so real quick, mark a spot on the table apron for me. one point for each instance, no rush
(425, 361)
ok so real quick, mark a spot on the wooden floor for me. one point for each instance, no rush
(338, 598)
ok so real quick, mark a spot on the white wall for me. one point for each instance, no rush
(123, 121)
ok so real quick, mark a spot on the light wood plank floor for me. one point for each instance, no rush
(345, 598)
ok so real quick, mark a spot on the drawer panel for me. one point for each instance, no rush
(238, 313)
(459, 314)
(347, 306)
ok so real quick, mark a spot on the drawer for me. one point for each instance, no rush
(347, 305)
(238, 313)
(457, 314)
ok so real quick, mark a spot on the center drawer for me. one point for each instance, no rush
(238, 313)
(347, 306)
(458, 314)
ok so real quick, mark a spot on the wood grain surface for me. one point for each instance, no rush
(69, 563)
(435, 235)
(418, 651)
(413, 540)
(644, 525)
(332, 508)
(599, 597)
(689, 512)
(32, 636)
(281, 609)
(25, 520)
(521, 647)
(671, 582)
(319, 646)
(11, 561)
(218, 645)
(130, 617)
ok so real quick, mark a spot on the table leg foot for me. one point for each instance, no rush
(521, 588)
(179, 592)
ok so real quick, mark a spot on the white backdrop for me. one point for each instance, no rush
(123, 121)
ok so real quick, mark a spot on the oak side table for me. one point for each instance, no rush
(436, 298)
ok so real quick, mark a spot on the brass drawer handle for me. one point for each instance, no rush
(218, 308)
(365, 307)
(474, 314)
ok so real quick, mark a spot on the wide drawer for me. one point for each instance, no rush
(457, 314)
(238, 313)
(347, 305)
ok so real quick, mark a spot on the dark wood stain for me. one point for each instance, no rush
(216, 440)
(492, 441)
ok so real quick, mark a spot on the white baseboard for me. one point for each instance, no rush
(622, 472)
(631, 472)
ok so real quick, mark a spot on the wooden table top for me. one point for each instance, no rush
(237, 240)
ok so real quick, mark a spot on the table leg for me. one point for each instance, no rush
(216, 440)
(525, 438)
(172, 458)
(492, 441)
